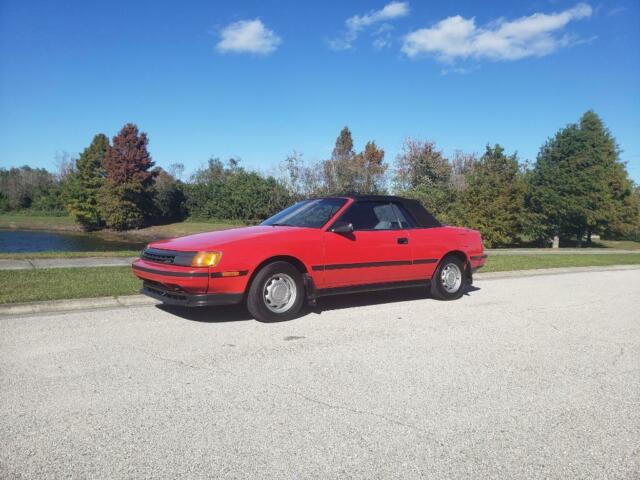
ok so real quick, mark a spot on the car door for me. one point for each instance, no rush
(376, 251)
(427, 245)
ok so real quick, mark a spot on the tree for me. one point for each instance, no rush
(338, 170)
(350, 172)
(634, 230)
(609, 194)
(126, 199)
(461, 165)
(420, 164)
(176, 170)
(370, 170)
(214, 172)
(65, 166)
(230, 192)
(579, 185)
(424, 173)
(84, 184)
(555, 193)
(493, 201)
(20, 187)
(169, 200)
(300, 180)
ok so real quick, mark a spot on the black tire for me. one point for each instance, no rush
(257, 302)
(444, 290)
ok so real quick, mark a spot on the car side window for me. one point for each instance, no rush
(405, 219)
(372, 216)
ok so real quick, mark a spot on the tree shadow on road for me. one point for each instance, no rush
(238, 313)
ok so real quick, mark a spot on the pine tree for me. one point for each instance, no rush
(493, 200)
(350, 172)
(126, 199)
(339, 170)
(579, 185)
(609, 193)
(555, 191)
(370, 170)
(84, 184)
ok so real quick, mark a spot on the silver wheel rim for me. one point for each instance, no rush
(451, 278)
(279, 293)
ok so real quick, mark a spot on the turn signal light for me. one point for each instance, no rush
(230, 274)
(206, 259)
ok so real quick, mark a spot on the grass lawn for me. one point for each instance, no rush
(39, 255)
(38, 222)
(18, 286)
(620, 244)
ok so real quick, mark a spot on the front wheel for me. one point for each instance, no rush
(276, 293)
(449, 279)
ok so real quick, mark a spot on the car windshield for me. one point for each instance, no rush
(308, 213)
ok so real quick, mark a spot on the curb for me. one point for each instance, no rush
(70, 305)
(498, 252)
(38, 263)
(550, 271)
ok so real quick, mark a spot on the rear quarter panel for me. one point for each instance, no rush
(435, 243)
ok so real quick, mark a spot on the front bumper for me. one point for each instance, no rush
(175, 297)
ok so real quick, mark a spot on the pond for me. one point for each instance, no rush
(14, 241)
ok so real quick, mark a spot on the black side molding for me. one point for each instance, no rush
(371, 287)
(392, 263)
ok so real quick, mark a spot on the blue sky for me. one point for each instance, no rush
(261, 79)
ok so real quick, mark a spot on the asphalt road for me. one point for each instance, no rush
(528, 378)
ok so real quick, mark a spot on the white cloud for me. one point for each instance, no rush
(389, 12)
(248, 36)
(459, 38)
(381, 42)
(616, 11)
(357, 23)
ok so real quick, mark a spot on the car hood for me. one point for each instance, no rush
(211, 240)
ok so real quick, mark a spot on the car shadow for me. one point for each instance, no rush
(239, 313)
(222, 314)
(354, 300)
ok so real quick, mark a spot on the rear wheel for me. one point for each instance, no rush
(276, 293)
(449, 279)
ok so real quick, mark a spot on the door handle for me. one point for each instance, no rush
(403, 240)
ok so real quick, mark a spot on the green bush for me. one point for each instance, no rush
(235, 193)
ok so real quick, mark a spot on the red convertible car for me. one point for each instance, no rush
(317, 247)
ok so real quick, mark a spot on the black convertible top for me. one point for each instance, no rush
(423, 218)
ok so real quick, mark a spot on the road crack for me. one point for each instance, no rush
(426, 434)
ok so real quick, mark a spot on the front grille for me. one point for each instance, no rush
(157, 257)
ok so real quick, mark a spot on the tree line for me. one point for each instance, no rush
(578, 186)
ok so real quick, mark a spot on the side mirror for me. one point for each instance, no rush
(342, 227)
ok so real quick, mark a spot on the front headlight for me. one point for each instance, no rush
(206, 259)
